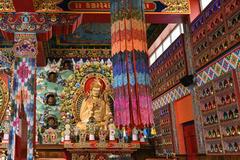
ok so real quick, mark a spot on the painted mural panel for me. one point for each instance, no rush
(94, 33)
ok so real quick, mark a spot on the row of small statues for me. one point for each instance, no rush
(112, 133)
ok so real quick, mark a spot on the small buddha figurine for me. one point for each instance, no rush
(141, 136)
(96, 105)
(124, 133)
(145, 133)
(236, 113)
(91, 128)
(76, 134)
(134, 134)
(1, 135)
(82, 137)
(111, 129)
(153, 131)
(62, 136)
(3, 156)
(238, 130)
(236, 147)
(220, 148)
(67, 132)
(102, 135)
(118, 135)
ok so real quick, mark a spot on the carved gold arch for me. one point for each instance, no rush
(4, 98)
(81, 93)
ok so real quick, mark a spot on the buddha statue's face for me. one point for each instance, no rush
(96, 91)
(95, 88)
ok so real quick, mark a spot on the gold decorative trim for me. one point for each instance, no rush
(6, 6)
(4, 98)
(177, 6)
(99, 145)
(47, 5)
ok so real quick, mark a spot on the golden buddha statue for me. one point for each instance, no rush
(94, 105)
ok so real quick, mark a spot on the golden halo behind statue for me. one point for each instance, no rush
(87, 81)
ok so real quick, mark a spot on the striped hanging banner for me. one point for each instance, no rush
(132, 103)
(23, 98)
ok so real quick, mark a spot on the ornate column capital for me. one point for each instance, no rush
(25, 45)
(33, 22)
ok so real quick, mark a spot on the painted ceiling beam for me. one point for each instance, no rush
(152, 18)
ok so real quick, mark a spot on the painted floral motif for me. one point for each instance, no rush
(23, 72)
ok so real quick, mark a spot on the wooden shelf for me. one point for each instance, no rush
(211, 126)
(203, 28)
(209, 111)
(231, 105)
(226, 122)
(166, 144)
(165, 125)
(214, 153)
(231, 136)
(213, 139)
(207, 99)
(219, 110)
(222, 91)
(232, 153)
(164, 137)
(227, 105)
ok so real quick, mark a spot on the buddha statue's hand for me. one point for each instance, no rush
(82, 126)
